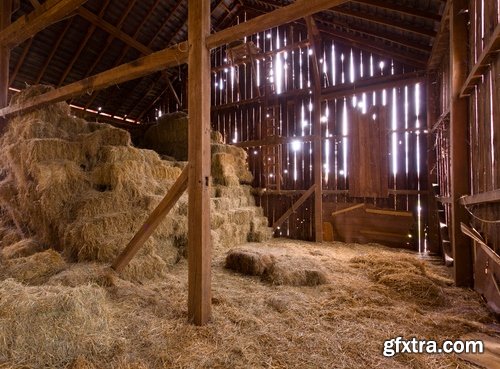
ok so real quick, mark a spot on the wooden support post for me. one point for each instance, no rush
(152, 222)
(5, 14)
(199, 237)
(462, 251)
(314, 37)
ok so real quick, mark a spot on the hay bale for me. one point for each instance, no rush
(278, 266)
(169, 136)
(35, 269)
(86, 191)
(49, 327)
(249, 261)
(229, 165)
(295, 272)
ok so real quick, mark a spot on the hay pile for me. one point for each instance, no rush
(82, 189)
(50, 326)
(278, 266)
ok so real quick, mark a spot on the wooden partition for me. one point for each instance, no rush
(352, 80)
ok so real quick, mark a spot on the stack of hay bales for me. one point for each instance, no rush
(82, 189)
(169, 136)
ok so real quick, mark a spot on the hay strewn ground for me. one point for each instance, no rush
(341, 324)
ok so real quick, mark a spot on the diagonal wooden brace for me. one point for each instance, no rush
(152, 222)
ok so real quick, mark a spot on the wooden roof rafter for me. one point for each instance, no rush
(89, 33)
(402, 9)
(385, 22)
(126, 48)
(44, 15)
(365, 43)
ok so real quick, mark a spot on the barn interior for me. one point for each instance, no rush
(247, 183)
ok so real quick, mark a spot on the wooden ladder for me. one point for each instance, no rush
(271, 153)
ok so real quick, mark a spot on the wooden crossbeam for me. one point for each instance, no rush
(297, 204)
(481, 198)
(483, 63)
(83, 43)
(289, 13)
(114, 31)
(152, 222)
(138, 68)
(43, 16)
(173, 56)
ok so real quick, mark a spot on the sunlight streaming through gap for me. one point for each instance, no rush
(344, 138)
(394, 134)
(422, 246)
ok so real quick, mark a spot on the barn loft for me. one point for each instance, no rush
(247, 183)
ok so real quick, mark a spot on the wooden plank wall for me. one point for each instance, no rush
(238, 114)
(485, 121)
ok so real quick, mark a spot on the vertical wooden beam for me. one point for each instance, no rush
(5, 15)
(199, 238)
(462, 251)
(314, 36)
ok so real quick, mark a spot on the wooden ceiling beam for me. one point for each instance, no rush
(286, 14)
(114, 31)
(20, 62)
(401, 9)
(173, 56)
(43, 16)
(127, 47)
(385, 22)
(364, 44)
(441, 42)
(138, 68)
(83, 43)
(53, 51)
(387, 37)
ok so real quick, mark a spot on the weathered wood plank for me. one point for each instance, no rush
(199, 236)
(462, 251)
(481, 198)
(152, 222)
(43, 16)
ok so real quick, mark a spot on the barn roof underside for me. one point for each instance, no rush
(105, 33)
